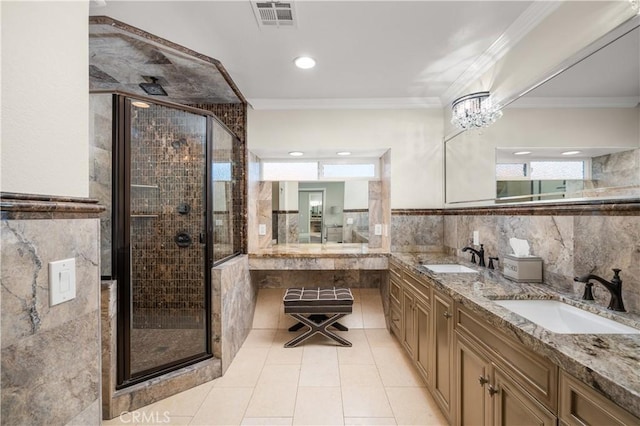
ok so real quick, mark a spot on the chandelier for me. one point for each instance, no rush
(474, 111)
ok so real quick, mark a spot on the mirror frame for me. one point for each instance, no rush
(592, 48)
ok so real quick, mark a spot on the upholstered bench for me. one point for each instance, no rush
(318, 309)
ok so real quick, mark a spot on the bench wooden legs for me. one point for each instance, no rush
(317, 328)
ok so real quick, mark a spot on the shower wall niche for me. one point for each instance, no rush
(166, 175)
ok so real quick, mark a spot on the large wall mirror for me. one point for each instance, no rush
(320, 212)
(575, 136)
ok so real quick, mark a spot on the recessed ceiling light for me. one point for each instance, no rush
(304, 62)
(344, 153)
(522, 153)
(296, 154)
(140, 104)
(571, 152)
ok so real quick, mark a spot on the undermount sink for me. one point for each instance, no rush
(450, 268)
(562, 318)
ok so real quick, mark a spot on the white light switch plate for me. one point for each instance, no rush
(476, 238)
(262, 229)
(62, 281)
(349, 221)
(378, 229)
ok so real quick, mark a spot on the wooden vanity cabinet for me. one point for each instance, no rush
(442, 364)
(395, 300)
(416, 310)
(582, 405)
(499, 380)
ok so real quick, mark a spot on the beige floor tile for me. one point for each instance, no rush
(182, 404)
(355, 355)
(365, 402)
(267, 421)
(272, 401)
(169, 420)
(414, 406)
(315, 354)
(265, 318)
(278, 354)
(279, 375)
(223, 406)
(359, 376)
(395, 368)
(259, 338)
(373, 320)
(322, 373)
(285, 321)
(353, 320)
(369, 421)
(245, 369)
(318, 406)
(380, 337)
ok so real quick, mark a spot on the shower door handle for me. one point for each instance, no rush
(202, 238)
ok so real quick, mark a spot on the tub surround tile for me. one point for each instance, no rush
(606, 362)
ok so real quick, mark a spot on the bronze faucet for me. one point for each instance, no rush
(614, 286)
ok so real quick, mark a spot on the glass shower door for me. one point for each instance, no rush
(166, 320)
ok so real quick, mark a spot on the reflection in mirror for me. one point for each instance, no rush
(591, 107)
(320, 212)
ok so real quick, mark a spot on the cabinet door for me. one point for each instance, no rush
(443, 352)
(408, 323)
(422, 354)
(513, 406)
(473, 369)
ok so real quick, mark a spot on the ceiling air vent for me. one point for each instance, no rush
(274, 14)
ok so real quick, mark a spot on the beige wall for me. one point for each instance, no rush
(45, 98)
(413, 136)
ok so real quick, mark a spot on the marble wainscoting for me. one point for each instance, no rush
(234, 298)
(50, 354)
(288, 230)
(414, 230)
(569, 245)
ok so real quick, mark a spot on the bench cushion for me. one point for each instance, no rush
(318, 301)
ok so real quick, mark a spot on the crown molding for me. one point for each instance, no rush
(345, 103)
(526, 22)
(575, 102)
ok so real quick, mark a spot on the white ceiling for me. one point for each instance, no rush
(377, 53)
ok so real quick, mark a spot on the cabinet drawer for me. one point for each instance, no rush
(395, 270)
(420, 285)
(395, 321)
(536, 374)
(581, 405)
(395, 292)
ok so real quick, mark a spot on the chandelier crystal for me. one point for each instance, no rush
(474, 111)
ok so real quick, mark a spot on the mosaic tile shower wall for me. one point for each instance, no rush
(167, 217)
(234, 116)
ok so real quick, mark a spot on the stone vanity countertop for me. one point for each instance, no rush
(609, 363)
(331, 250)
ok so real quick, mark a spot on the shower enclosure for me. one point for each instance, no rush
(167, 181)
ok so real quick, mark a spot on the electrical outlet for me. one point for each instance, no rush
(378, 229)
(262, 229)
(349, 221)
(476, 238)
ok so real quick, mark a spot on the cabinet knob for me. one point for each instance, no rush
(483, 380)
(493, 390)
(447, 315)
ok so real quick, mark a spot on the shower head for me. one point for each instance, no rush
(153, 88)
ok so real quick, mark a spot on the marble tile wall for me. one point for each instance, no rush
(50, 354)
(288, 230)
(385, 198)
(568, 245)
(233, 304)
(375, 213)
(360, 226)
(264, 213)
(253, 188)
(100, 176)
(414, 231)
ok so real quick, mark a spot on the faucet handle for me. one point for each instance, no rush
(616, 275)
(491, 259)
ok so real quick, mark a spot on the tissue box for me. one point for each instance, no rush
(522, 268)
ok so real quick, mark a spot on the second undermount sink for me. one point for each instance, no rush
(449, 268)
(562, 318)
